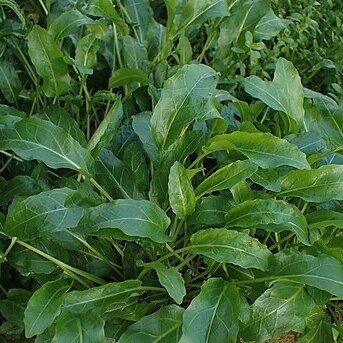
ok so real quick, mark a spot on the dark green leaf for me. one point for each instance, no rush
(280, 309)
(43, 307)
(31, 139)
(269, 214)
(285, 93)
(325, 218)
(10, 84)
(181, 194)
(229, 246)
(267, 178)
(86, 53)
(48, 61)
(126, 76)
(163, 326)
(134, 53)
(212, 316)
(139, 218)
(316, 185)
(265, 150)
(184, 99)
(226, 177)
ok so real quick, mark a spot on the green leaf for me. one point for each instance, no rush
(181, 194)
(44, 214)
(322, 272)
(126, 76)
(163, 326)
(99, 299)
(105, 132)
(226, 177)
(184, 99)
(280, 309)
(269, 26)
(316, 185)
(10, 84)
(268, 179)
(138, 218)
(229, 246)
(12, 308)
(68, 23)
(43, 307)
(79, 328)
(48, 61)
(134, 53)
(171, 279)
(213, 315)
(31, 139)
(86, 53)
(325, 218)
(264, 149)
(269, 214)
(285, 93)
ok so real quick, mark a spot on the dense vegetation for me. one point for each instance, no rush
(171, 171)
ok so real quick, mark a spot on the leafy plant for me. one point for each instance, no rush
(166, 175)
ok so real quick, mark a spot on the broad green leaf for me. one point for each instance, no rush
(184, 99)
(316, 185)
(198, 11)
(9, 116)
(134, 54)
(44, 214)
(126, 76)
(105, 132)
(163, 326)
(264, 149)
(100, 299)
(86, 53)
(282, 308)
(79, 328)
(48, 61)
(213, 315)
(322, 272)
(229, 246)
(325, 218)
(10, 84)
(267, 178)
(269, 214)
(226, 177)
(67, 24)
(269, 26)
(285, 93)
(138, 218)
(43, 307)
(31, 139)
(171, 279)
(180, 190)
(12, 308)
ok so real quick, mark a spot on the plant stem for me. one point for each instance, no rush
(100, 189)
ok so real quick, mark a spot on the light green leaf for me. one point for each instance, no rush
(285, 93)
(267, 178)
(226, 177)
(264, 149)
(86, 53)
(10, 84)
(180, 190)
(163, 326)
(229, 246)
(79, 328)
(43, 307)
(280, 309)
(126, 76)
(105, 132)
(99, 299)
(325, 218)
(43, 214)
(31, 139)
(213, 315)
(269, 26)
(316, 185)
(48, 61)
(68, 23)
(139, 218)
(184, 99)
(322, 272)
(269, 214)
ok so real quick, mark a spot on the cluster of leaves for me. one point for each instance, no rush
(151, 190)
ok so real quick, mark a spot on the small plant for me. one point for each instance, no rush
(166, 175)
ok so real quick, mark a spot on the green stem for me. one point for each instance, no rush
(100, 189)
(43, 7)
(3, 257)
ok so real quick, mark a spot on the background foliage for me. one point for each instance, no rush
(171, 171)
